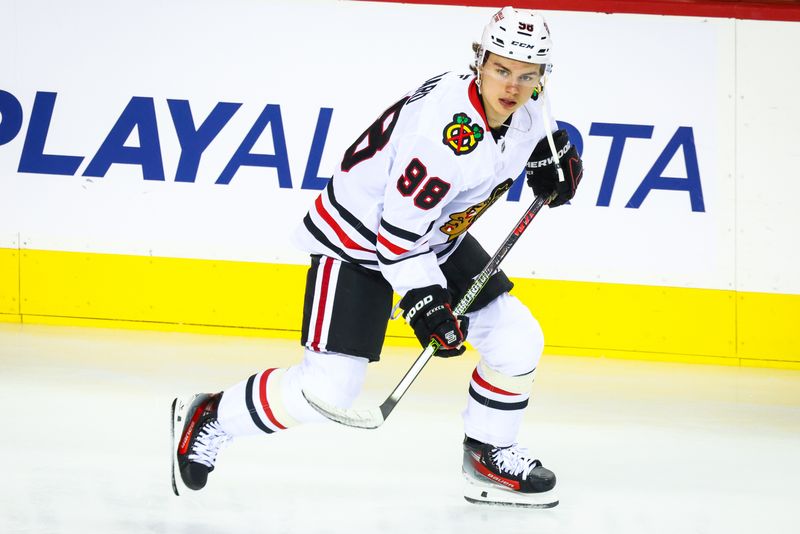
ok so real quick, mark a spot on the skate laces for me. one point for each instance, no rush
(515, 460)
(208, 443)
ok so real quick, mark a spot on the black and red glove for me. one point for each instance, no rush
(428, 312)
(542, 174)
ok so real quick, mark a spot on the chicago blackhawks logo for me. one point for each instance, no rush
(461, 136)
(461, 221)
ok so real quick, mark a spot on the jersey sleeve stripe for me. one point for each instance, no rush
(403, 234)
(343, 237)
(391, 246)
(386, 261)
(351, 219)
(322, 238)
(448, 248)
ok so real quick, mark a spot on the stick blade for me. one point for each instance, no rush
(369, 419)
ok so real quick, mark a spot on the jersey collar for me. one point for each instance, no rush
(475, 99)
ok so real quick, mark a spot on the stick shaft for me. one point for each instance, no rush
(466, 301)
(550, 141)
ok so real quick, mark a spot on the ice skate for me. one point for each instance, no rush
(506, 476)
(196, 440)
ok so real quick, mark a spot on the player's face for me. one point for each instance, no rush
(506, 84)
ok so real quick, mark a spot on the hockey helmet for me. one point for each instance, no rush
(519, 34)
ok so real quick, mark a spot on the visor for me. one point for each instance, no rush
(528, 80)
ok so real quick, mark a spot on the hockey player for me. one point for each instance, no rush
(394, 218)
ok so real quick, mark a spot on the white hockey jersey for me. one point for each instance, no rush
(412, 184)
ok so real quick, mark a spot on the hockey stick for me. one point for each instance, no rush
(374, 417)
(550, 141)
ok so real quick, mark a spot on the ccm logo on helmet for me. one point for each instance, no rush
(418, 306)
(523, 45)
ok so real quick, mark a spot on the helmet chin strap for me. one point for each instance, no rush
(549, 134)
(478, 65)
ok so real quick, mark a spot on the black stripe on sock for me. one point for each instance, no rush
(248, 398)
(507, 406)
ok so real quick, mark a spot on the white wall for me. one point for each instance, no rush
(730, 83)
(768, 157)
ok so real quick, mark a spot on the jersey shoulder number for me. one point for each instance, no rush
(377, 136)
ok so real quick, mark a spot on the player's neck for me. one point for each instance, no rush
(495, 121)
(498, 123)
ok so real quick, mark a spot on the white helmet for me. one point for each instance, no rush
(518, 34)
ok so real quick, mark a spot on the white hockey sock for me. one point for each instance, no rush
(272, 400)
(332, 377)
(496, 405)
(510, 342)
(255, 405)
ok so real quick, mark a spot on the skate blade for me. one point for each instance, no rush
(178, 414)
(476, 493)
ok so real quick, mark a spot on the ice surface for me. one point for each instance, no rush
(637, 447)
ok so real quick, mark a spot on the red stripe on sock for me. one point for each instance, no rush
(323, 299)
(262, 393)
(486, 385)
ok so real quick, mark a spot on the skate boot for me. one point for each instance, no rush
(196, 440)
(506, 476)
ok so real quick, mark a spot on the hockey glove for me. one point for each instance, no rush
(542, 175)
(428, 312)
